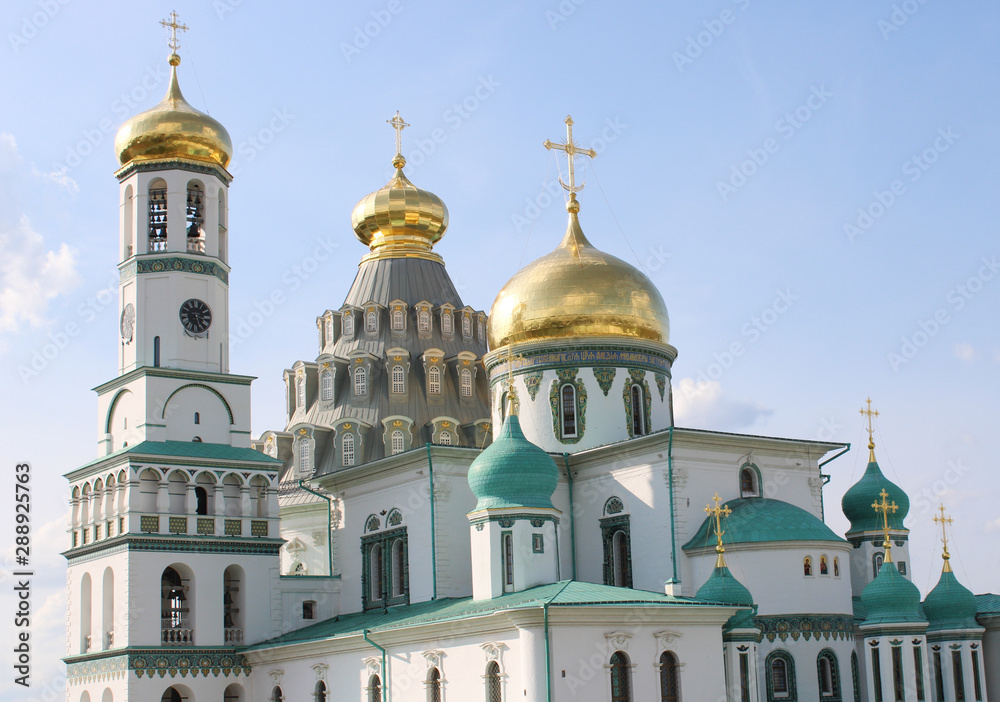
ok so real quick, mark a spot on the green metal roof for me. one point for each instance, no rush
(722, 586)
(857, 501)
(191, 449)
(761, 519)
(950, 605)
(988, 603)
(513, 472)
(564, 593)
(890, 598)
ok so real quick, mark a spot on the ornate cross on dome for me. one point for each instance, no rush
(173, 26)
(884, 508)
(869, 413)
(399, 125)
(944, 522)
(717, 513)
(571, 151)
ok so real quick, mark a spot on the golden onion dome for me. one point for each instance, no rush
(575, 292)
(173, 129)
(400, 220)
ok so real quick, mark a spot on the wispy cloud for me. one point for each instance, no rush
(705, 404)
(965, 352)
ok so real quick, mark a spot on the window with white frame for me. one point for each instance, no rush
(300, 392)
(444, 438)
(326, 385)
(424, 320)
(568, 418)
(447, 322)
(348, 324)
(398, 319)
(371, 321)
(304, 456)
(466, 382)
(347, 450)
(397, 442)
(466, 326)
(360, 381)
(434, 380)
(481, 331)
(398, 380)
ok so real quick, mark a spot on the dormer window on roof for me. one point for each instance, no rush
(398, 319)
(360, 381)
(348, 323)
(465, 376)
(398, 379)
(371, 320)
(434, 380)
(424, 320)
(467, 326)
(326, 385)
(447, 322)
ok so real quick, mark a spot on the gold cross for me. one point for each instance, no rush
(884, 507)
(399, 125)
(944, 522)
(172, 25)
(717, 513)
(571, 151)
(870, 413)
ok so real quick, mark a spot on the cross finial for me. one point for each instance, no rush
(944, 521)
(571, 150)
(717, 513)
(173, 26)
(509, 357)
(871, 441)
(399, 125)
(884, 508)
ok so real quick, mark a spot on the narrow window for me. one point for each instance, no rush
(747, 483)
(620, 689)
(375, 572)
(398, 567)
(309, 609)
(424, 321)
(493, 693)
(444, 438)
(319, 695)
(976, 682)
(276, 695)
(197, 418)
(201, 501)
(434, 380)
(397, 320)
(829, 676)
(877, 674)
(938, 678)
(375, 689)
(371, 321)
(877, 562)
(481, 329)
(446, 322)
(347, 450)
(744, 677)
(956, 667)
(670, 688)
(621, 556)
(194, 218)
(300, 392)
(508, 560)
(568, 410)
(158, 219)
(156, 352)
(326, 386)
(466, 326)
(638, 425)
(397, 442)
(836, 567)
(918, 668)
(360, 381)
(304, 457)
(807, 566)
(897, 674)
(824, 568)
(398, 386)
(779, 677)
(466, 382)
(348, 324)
(434, 685)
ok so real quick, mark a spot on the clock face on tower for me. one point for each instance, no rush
(196, 317)
(127, 323)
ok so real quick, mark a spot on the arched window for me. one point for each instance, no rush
(360, 381)
(807, 566)
(201, 501)
(444, 438)
(508, 561)
(172, 695)
(568, 393)
(824, 567)
(829, 676)
(375, 689)
(108, 611)
(174, 607)
(348, 324)
(638, 420)
(197, 418)
(397, 320)
(493, 691)
(877, 560)
(347, 450)
(620, 553)
(156, 352)
(856, 677)
(836, 567)
(128, 204)
(748, 482)
(277, 695)
(304, 457)
(398, 385)
(424, 321)
(157, 216)
(398, 442)
(195, 218)
(300, 392)
(233, 693)
(447, 322)
(371, 321)
(466, 326)
(86, 602)
(621, 690)
(319, 693)
(780, 672)
(670, 678)
(434, 685)
(326, 385)
(232, 609)
(398, 567)
(466, 382)
(434, 380)
(375, 571)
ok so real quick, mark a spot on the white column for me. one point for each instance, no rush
(530, 684)
(162, 497)
(220, 500)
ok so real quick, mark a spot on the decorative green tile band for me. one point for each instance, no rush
(162, 264)
(234, 527)
(206, 525)
(149, 524)
(177, 525)
(806, 627)
(597, 357)
(157, 662)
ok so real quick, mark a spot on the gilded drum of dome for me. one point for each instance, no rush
(578, 291)
(400, 216)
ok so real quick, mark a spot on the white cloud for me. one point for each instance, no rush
(705, 405)
(965, 351)
(59, 177)
(31, 273)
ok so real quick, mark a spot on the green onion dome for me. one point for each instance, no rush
(857, 502)
(890, 598)
(722, 586)
(762, 519)
(950, 605)
(513, 472)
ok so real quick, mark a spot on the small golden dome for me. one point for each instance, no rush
(577, 291)
(173, 129)
(400, 220)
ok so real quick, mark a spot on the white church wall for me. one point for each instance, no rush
(805, 657)
(97, 609)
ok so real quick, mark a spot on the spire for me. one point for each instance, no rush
(717, 513)
(884, 508)
(571, 149)
(871, 441)
(944, 521)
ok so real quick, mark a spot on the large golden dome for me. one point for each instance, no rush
(400, 220)
(173, 129)
(577, 292)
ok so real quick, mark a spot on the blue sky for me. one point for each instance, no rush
(814, 183)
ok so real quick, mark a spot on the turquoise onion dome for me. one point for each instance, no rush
(722, 586)
(513, 472)
(890, 598)
(950, 605)
(858, 500)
